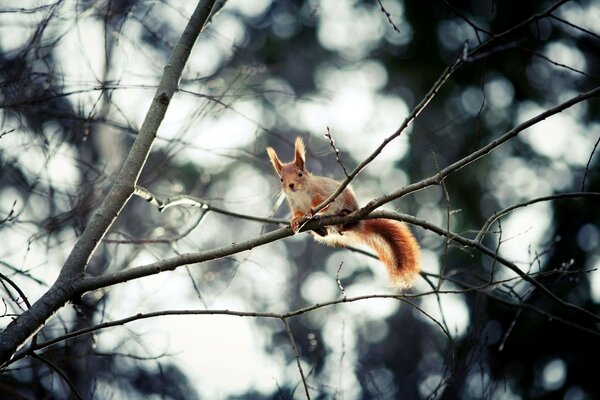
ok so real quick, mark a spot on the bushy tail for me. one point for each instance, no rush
(395, 246)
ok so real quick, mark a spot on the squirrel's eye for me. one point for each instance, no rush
(299, 173)
(281, 179)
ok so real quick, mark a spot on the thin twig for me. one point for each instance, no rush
(494, 262)
(518, 26)
(17, 288)
(512, 325)
(476, 155)
(11, 214)
(298, 361)
(587, 166)
(579, 28)
(23, 273)
(389, 17)
(339, 282)
(499, 214)
(490, 253)
(168, 240)
(55, 368)
(458, 61)
(448, 216)
(196, 202)
(335, 150)
(474, 26)
(436, 289)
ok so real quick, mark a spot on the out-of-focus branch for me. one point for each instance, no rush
(59, 371)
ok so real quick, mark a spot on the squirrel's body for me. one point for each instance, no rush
(391, 240)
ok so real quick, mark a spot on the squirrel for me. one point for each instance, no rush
(393, 242)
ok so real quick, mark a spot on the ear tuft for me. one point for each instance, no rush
(274, 160)
(299, 153)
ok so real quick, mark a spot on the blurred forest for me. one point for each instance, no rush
(508, 304)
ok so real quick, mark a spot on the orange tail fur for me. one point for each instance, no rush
(395, 246)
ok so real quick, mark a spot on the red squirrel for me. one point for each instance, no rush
(391, 240)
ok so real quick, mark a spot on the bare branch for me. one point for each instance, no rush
(459, 60)
(388, 16)
(34, 318)
(185, 200)
(488, 252)
(476, 155)
(170, 264)
(64, 377)
(499, 214)
(17, 288)
(512, 325)
(516, 27)
(579, 28)
(587, 166)
(335, 150)
(11, 214)
(94, 283)
(463, 56)
(295, 349)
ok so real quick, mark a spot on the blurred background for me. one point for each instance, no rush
(76, 79)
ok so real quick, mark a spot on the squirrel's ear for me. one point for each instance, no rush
(299, 153)
(274, 160)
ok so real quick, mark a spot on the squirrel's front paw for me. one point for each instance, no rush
(295, 224)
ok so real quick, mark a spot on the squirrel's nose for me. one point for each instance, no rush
(291, 185)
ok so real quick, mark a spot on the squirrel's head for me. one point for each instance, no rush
(293, 175)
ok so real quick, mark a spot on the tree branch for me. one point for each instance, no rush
(488, 252)
(297, 354)
(459, 60)
(186, 200)
(463, 56)
(499, 214)
(60, 372)
(28, 323)
(476, 155)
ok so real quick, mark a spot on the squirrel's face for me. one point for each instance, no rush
(293, 179)
(293, 175)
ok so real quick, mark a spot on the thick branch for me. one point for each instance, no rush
(94, 283)
(61, 291)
